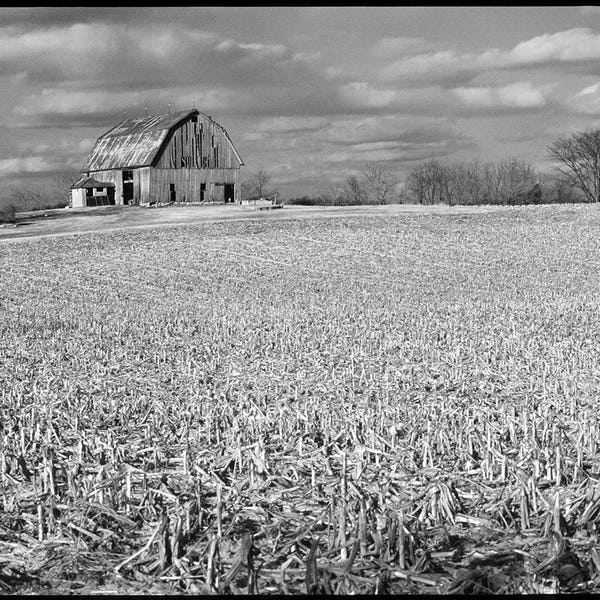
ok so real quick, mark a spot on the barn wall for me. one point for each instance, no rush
(198, 145)
(153, 185)
(78, 198)
(187, 184)
(116, 177)
(141, 185)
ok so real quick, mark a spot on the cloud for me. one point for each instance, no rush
(350, 143)
(392, 47)
(87, 83)
(282, 126)
(521, 95)
(574, 45)
(56, 16)
(393, 128)
(444, 66)
(359, 157)
(586, 101)
(366, 97)
(589, 10)
(54, 107)
(578, 46)
(590, 89)
(80, 82)
(143, 57)
(437, 100)
(26, 165)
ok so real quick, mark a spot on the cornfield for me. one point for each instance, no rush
(327, 405)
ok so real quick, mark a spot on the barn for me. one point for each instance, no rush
(178, 157)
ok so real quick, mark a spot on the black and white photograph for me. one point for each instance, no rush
(299, 300)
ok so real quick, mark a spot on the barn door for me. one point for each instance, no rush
(229, 192)
(127, 187)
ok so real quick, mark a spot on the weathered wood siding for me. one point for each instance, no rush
(78, 198)
(116, 176)
(198, 143)
(141, 185)
(154, 185)
(188, 184)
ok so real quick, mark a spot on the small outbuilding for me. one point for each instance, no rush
(88, 191)
(183, 157)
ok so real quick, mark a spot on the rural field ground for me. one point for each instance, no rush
(393, 399)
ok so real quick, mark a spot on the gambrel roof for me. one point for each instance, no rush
(137, 142)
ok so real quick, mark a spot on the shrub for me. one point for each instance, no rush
(8, 214)
(303, 201)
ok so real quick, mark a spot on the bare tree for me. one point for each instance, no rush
(510, 181)
(31, 197)
(329, 196)
(516, 178)
(558, 189)
(379, 184)
(62, 186)
(352, 191)
(415, 184)
(261, 181)
(256, 185)
(55, 193)
(429, 183)
(466, 180)
(578, 157)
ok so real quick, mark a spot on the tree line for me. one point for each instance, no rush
(511, 181)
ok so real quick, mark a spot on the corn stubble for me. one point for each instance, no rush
(349, 405)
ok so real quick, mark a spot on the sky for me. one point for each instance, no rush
(312, 95)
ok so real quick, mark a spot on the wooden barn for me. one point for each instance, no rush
(177, 157)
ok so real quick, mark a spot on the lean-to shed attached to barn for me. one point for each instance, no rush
(87, 191)
(177, 157)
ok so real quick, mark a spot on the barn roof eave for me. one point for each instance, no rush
(119, 168)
